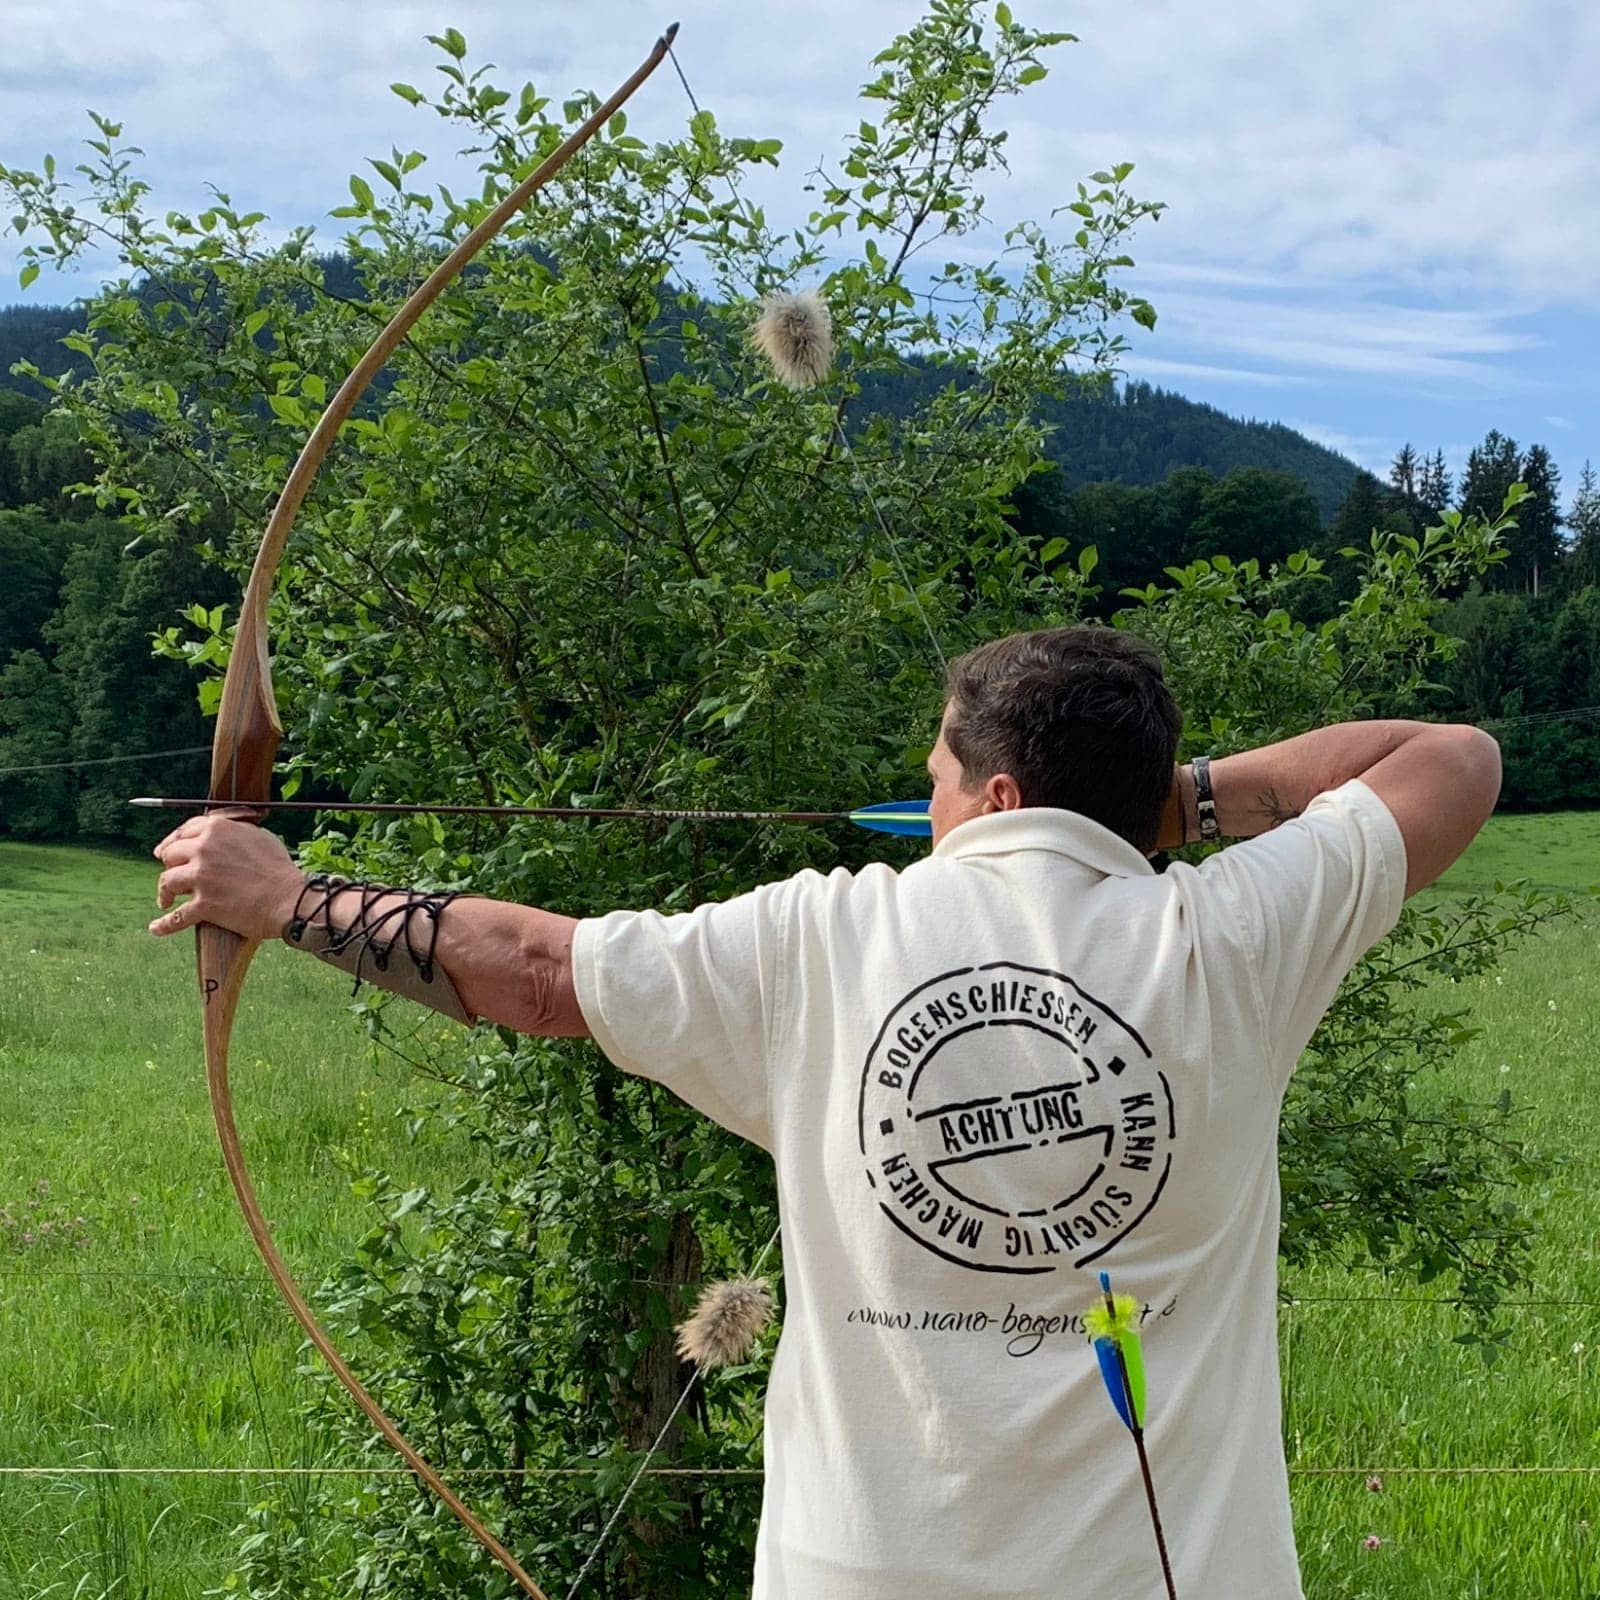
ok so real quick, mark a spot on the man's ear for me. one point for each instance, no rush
(1003, 792)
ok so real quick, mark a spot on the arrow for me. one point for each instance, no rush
(904, 818)
(1113, 1325)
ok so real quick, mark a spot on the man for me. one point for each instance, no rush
(983, 1079)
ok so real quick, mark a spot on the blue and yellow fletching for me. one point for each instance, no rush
(907, 818)
(1113, 1325)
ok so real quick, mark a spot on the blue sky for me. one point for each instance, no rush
(1381, 219)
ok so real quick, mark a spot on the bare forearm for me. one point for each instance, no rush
(509, 964)
(469, 958)
(1257, 789)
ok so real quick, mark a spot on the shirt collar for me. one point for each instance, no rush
(1062, 833)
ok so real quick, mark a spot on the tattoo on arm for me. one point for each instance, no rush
(1272, 806)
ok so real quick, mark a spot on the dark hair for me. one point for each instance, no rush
(1081, 717)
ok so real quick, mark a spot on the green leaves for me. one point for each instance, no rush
(451, 41)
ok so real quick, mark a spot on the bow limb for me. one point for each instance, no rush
(246, 743)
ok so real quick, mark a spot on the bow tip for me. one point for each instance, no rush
(670, 35)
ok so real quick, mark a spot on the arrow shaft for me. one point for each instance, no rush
(1155, 1512)
(391, 808)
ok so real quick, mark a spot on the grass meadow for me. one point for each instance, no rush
(138, 1331)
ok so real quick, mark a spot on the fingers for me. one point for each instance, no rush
(190, 914)
(175, 881)
(234, 876)
(179, 853)
(180, 843)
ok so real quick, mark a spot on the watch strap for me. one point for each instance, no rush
(1205, 803)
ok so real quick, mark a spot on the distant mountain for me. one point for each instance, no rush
(1133, 433)
(1138, 434)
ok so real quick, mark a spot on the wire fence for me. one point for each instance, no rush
(1526, 720)
(107, 761)
(72, 1470)
(1288, 1299)
(252, 1284)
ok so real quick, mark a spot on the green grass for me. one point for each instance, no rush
(145, 1333)
(1558, 850)
(1377, 1385)
(139, 1326)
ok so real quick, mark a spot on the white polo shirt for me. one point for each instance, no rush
(983, 1079)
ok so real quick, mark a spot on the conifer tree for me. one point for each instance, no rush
(1403, 476)
(1582, 557)
(1537, 541)
(1492, 468)
(1435, 486)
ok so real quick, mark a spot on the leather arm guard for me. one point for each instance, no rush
(385, 948)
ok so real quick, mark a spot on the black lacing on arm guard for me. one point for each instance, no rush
(368, 930)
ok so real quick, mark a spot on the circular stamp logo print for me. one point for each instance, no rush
(1011, 1122)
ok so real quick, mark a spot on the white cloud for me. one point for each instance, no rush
(1349, 337)
(1141, 366)
(1365, 449)
(1445, 146)
(1426, 142)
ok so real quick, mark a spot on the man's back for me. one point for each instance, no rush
(983, 1079)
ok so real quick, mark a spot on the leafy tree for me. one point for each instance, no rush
(33, 551)
(49, 461)
(125, 699)
(1497, 658)
(1575, 648)
(580, 546)
(1366, 508)
(16, 414)
(1526, 668)
(35, 728)
(1254, 513)
(1138, 532)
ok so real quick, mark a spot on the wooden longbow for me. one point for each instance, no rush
(242, 755)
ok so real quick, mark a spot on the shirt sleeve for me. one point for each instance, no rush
(1311, 897)
(690, 1000)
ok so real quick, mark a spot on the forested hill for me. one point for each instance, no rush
(1133, 434)
(1137, 434)
(34, 333)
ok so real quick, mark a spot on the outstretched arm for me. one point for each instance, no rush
(1439, 780)
(509, 964)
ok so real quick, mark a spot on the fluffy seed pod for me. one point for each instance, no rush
(795, 334)
(726, 1323)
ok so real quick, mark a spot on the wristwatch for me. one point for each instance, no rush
(1205, 804)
